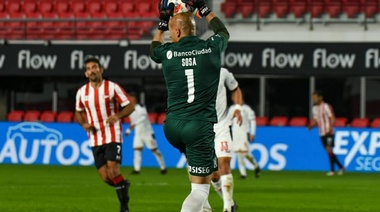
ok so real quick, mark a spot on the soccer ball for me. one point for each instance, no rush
(180, 7)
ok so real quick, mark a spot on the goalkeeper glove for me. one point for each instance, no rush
(203, 9)
(165, 13)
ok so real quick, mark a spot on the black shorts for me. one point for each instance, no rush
(328, 140)
(102, 154)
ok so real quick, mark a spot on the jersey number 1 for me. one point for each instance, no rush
(190, 85)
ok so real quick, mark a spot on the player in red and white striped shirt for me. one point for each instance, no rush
(323, 116)
(100, 100)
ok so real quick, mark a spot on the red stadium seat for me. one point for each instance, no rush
(281, 7)
(48, 116)
(317, 7)
(29, 7)
(229, 9)
(62, 6)
(261, 121)
(161, 118)
(370, 7)
(97, 27)
(65, 116)
(3, 7)
(246, 8)
(14, 7)
(153, 117)
(78, 6)
(279, 121)
(46, 6)
(32, 115)
(360, 122)
(127, 7)
(49, 27)
(3, 25)
(16, 116)
(298, 7)
(83, 27)
(351, 7)
(298, 121)
(111, 6)
(333, 7)
(375, 123)
(265, 7)
(94, 6)
(126, 120)
(341, 122)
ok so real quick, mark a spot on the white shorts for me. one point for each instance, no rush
(223, 141)
(148, 139)
(240, 142)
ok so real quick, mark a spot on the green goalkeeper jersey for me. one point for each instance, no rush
(191, 69)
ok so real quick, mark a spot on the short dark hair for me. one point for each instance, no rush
(318, 93)
(92, 59)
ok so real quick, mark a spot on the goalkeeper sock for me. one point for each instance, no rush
(218, 187)
(194, 201)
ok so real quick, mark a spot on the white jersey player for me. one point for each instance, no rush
(222, 180)
(144, 135)
(242, 135)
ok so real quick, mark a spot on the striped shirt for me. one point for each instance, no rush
(99, 104)
(322, 114)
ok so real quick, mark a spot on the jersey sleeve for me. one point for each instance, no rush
(252, 121)
(329, 110)
(121, 96)
(157, 52)
(230, 82)
(79, 106)
(315, 114)
(218, 41)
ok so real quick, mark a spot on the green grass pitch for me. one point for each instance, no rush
(73, 189)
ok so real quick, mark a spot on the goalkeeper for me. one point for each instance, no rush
(191, 68)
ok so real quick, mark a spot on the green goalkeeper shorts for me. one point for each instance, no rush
(195, 139)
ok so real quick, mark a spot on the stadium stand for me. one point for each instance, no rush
(46, 19)
(261, 121)
(298, 8)
(126, 120)
(279, 121)
(153, 117)
(360, 122)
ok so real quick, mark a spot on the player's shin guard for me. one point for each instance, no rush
(227, 189)
(195, 200)
(137, 160)
(122, 187)
(160, 159)
(242, 170)
(218, 187)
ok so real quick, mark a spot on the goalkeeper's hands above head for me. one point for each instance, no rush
(165, 12)
(203, 9)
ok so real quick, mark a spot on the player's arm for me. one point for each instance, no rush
(252, 125)
(79, 114)
(122, 99)
(129, 130)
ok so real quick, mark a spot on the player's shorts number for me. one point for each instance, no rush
(190, 85)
